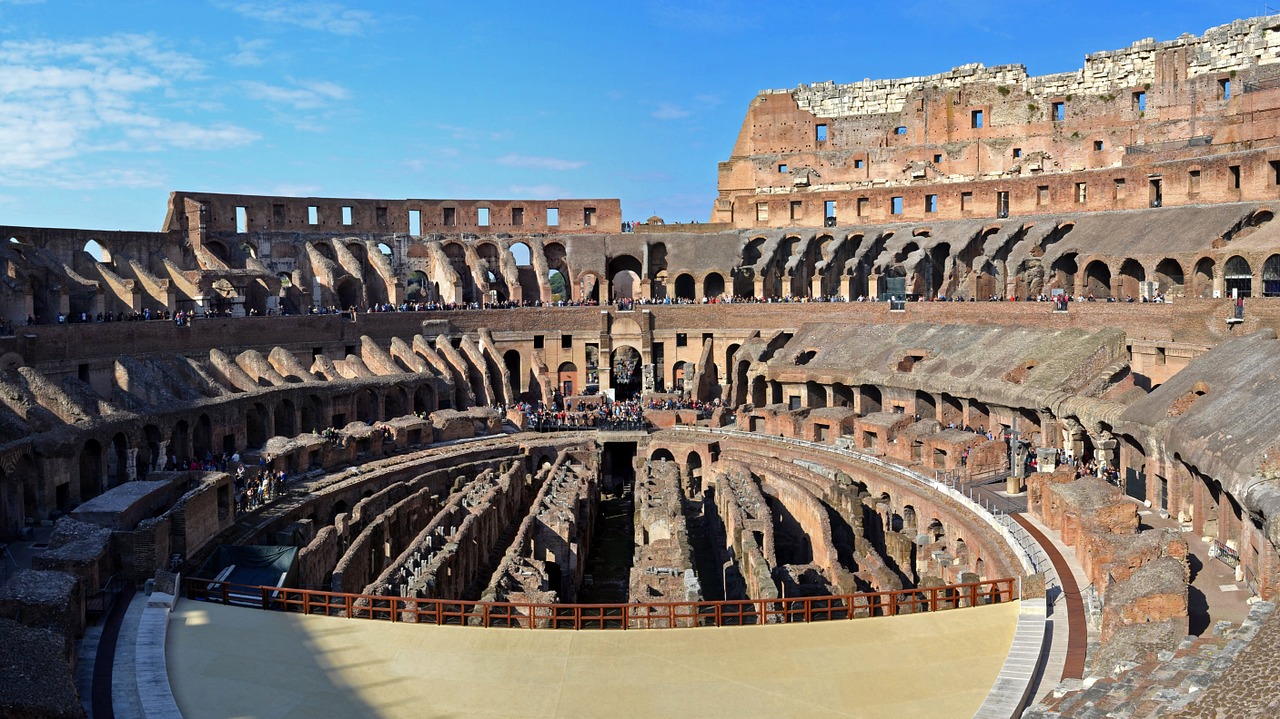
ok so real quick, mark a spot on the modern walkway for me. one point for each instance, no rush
(228, 661)
(1078, 630)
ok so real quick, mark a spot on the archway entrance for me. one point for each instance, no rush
(625, 364)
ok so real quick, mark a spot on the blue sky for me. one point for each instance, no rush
(107, 106)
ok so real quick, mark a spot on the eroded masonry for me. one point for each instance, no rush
(1061, 292)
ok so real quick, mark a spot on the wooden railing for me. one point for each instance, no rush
(604, 616)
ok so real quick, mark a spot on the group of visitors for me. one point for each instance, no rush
(255, 489)
(602, 413)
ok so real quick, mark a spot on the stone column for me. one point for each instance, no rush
(131, 464)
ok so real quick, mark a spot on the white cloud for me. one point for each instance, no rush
(59, 101)
(669, 111)
(248, 53)
(539, 163)
(303, 95)
(321, 16)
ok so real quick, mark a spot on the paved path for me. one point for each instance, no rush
(1078, 630)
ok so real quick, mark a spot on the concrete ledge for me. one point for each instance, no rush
(152, 671)
(1012, 690)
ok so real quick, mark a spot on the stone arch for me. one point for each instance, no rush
(118, 461)
(662, 454)
(567, 379)
(686, 288)
(202, 437)
(1202, 278)
(713, 285)
(424, 399)
(312, 414)
(90, 470)
(1170, 277)
(150, 455)
(1132, 274)
(870, 399)
(366, 406)
(624, 366)
(815, 394)
(285, 425)
(1063, 272)
(693, 466)
(417, 288)
(1238, 276)
(255, 426)
(1271, 276)
(1097, 278)
(511, 360)
(759, 391)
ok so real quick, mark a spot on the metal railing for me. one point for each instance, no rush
(658, 615)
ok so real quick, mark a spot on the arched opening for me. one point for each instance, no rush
(99, 253)
(285, 425)
(567, 379)
(693, 465)
(1063, 271)
(118, 461)
(926, 405)
(1237, 276)
(511, 360)
(366, 406)
(678, 376)
(1271, 277)
(149, 456)
(625, 364)
(559, 286)
(394, 403)
(1169, 277)
(869, 399)
(424, 399)
(624, 277)
(1202, 278)
(662, 454)
(759, 393)
(255, 426)
(90, 470)
(326, 251)
(713, 285)
(202, 438)
(313, 419)
(1097, 279)
(348, 291)
(815, 394)
(1131, 275)
(416, 287)
(685, 287)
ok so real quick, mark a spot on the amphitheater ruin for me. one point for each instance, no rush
(969, 341)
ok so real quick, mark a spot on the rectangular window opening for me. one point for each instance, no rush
(762, 212)
(857, 164)
(1119, 188)
(895, 207)
(820, 133)
(415, 222)
(277, 214)
(900, 130)
(782, 168)
(380, 216)
(537, 342)
(553, 216)
(797, 209)
(1097, 145)
(1042, 195)
(482, 216)
(1193, 182)
(566, 342)
(976, 120)
(450, 216)
(517, 216)
(682, 339)
(242, 220)
(1224, 89)
(1017, 152)
(1059, 111)
(966, 201)
(346, 215)
(1275, 171)
(588, 216)
(1140, 101)
(313, 215)
(1082, 193)
(930, 203)
(1235, 176)
(829, 209)
(1002, 203)
(862, 204)
(937, 159)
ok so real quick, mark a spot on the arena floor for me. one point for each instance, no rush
(233, 662)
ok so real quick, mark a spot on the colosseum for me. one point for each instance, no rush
(981, 341)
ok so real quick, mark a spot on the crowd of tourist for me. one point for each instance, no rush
(602, 413)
